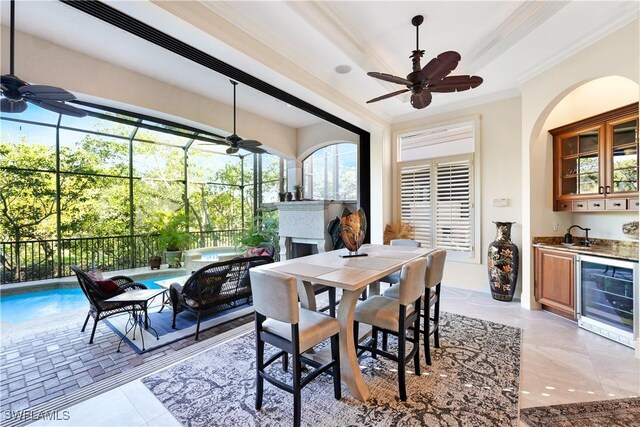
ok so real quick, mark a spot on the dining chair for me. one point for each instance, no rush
(396, 316)
(280, 322)
(331, 292)
(394, 278)
(432, 283)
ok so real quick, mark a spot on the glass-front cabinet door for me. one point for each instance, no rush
(622, 149)
(580, 163)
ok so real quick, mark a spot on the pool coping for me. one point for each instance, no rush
(71, 282)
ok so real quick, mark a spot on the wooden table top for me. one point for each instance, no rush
(328, 268)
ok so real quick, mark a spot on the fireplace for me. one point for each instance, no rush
(303, 226)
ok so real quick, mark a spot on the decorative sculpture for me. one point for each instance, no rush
(353, 228)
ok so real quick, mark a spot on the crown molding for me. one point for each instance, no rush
(604, 31)
(524, 20)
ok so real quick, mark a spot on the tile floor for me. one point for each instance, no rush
(560, 364)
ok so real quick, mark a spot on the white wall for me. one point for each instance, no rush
(313, 137)
(500, 178)
(614, 55)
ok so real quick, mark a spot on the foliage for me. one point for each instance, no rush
(173, 232)
(263, 230)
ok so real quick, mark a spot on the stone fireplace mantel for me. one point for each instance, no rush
(306, 222)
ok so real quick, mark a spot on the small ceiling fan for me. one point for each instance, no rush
(431, 78)
(234, 141)
(16, 92)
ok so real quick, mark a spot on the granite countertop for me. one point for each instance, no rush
(619, 249)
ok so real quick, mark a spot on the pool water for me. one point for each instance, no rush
(28, 306)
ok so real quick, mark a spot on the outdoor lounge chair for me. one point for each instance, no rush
(98, 308)
(216, 287)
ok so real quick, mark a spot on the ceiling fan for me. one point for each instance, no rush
(16, 92)
(431, 78)
(234, 141)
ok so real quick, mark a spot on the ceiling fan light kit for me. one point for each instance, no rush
(16, 92)
(433, 77)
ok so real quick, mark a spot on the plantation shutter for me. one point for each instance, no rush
(415, 205)
(454, 203)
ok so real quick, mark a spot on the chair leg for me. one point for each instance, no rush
(285, 362)
(385, 338)
(356, 332)
(332, 302)
(427, 337)
(198, 326)
(93, 331)
(85, 322)
(401, 363)
(416, 344)
(259, 370)
(374, 340)
(335, 354)
(436, 318)
(297, 397)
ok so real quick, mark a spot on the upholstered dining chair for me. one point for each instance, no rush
(396, 316)
(331, 291)
(282, 323)
(431, 298)
(394, 278)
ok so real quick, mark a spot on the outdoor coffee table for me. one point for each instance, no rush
(166, 284)
(139, 300)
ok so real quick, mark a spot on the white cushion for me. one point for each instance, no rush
(381, 311)
(313, 328)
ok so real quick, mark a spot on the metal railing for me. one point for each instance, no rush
(47, 259)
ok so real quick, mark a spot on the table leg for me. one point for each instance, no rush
(350, 368)
(306, 295)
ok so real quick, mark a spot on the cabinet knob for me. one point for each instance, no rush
(617, 204)
(597, 205)
(580, 205)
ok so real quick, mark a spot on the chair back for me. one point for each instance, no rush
(90, 289)
(435, 268)
(275, 295)
(412, 281)
(404, 242)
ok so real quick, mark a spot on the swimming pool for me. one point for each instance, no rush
(28, 306)
(215, 256)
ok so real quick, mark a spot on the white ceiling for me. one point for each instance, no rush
(505, 42)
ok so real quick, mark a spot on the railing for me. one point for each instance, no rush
(47, 259)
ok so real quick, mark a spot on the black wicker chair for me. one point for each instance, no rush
(216, 287)
(98, 308)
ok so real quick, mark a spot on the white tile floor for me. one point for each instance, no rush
(560, 364)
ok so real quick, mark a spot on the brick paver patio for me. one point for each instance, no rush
(53, 358)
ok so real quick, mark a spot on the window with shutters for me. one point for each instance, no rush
(437, 195)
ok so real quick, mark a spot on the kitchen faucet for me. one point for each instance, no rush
(569, 239)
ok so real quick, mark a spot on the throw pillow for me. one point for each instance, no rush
(95, 275)
(258, 252)
(108, 286)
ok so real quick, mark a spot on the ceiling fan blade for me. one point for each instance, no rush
(422, 99)
(256, 150)
(456, 84)
(232, 150)
(440, 67)
(10, 106)
(250, 143)
(390, 78)
(389, 95)
(46, 93)
(58, 107)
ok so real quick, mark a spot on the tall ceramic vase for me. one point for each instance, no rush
(503, 263)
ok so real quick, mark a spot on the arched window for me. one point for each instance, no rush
(331, 173)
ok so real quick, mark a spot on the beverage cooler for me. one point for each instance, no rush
(608, 298)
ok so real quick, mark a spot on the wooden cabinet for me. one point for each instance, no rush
(554, 281)
(596, 161)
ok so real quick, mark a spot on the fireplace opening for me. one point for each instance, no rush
(303, 249)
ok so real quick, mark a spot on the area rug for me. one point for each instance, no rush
(161, 323)
(473, 381)
(604, 413)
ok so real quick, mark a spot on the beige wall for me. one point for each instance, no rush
(118, 86)
(615, 55)
(500, 177)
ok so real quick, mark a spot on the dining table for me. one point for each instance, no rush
(352, 275)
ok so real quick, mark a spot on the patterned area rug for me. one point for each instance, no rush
(473, 381)
(604, 413)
